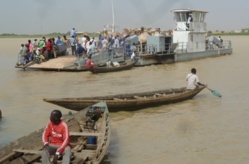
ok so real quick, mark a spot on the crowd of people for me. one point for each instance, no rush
(82, 47)
(39, 51)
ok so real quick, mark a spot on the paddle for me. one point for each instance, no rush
(93, 68)
(214, 92)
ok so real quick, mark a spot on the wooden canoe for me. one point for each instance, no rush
(104, 69)
(89, 139)
(130, 101)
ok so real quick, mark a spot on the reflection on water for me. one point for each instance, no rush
(205, 129)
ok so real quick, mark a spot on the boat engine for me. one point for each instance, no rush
(93, 115)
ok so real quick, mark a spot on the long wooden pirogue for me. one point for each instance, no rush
(130, 101)
(89, 136)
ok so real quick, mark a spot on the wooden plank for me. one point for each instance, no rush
(7, 157)
(158, 94)
(85, 153)
(80, 146)
(138, 97)
(84, 134)
(28, 151)
(91, 146)
(118, 99)
(31, 157)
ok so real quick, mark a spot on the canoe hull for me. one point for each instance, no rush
(127, 101)
(29, 147)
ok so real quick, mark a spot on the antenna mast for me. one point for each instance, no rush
(113, 18)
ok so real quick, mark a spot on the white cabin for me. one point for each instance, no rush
(190, 30)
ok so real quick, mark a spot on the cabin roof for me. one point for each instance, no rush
(187, 10)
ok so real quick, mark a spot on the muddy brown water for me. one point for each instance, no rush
(203, 130)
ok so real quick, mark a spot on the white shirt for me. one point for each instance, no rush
(133, 55)
(104, 43)
(116, 64)
(37, 52)
(116, 43)
(90, 48)
(192, 80)
(189, 19)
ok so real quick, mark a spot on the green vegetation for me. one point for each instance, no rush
(231, 33)
(238, 32)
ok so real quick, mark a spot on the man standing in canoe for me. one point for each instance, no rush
(193, 80)
(89, 62)
(56, 139)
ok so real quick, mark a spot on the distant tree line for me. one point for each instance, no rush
(12, 35)
(32, 35)
(244, 31)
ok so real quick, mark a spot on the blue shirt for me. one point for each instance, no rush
(79, 49)
(58, 41)
(72, 33)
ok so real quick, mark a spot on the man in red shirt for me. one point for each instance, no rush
(89, 62)
(49, 48)
(56, 139)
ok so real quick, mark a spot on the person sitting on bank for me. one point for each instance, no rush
(193, 80)
(56, 139)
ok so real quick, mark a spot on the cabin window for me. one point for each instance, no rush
(197, 17)
(202, 17)
(177, 17)
(184, 17)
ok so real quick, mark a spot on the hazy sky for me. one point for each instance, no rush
(48, 16)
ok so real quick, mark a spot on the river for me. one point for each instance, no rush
(203, 130)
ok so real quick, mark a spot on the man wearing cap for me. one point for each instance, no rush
(56, 139)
